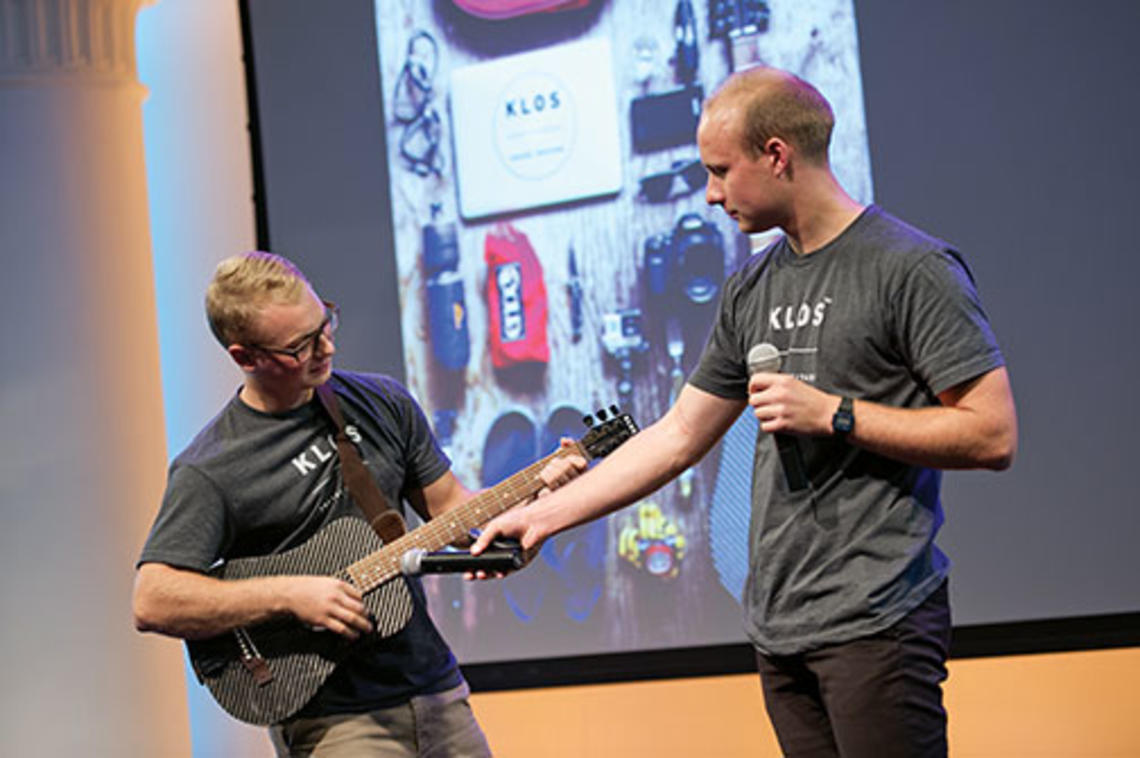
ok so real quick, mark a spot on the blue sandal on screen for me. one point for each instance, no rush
(512, 445)
(579, 555)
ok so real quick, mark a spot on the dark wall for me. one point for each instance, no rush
(324, 188)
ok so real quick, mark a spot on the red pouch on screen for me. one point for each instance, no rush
(516, 299)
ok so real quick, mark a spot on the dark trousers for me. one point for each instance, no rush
(875, 697)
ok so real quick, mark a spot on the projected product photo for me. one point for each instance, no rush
(557, 261)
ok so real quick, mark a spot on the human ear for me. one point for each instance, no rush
(245, 358)
(778, 152)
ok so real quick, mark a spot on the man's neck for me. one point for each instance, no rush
(268, 400)
(820, 214)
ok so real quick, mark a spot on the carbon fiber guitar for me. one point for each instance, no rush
(264, 674)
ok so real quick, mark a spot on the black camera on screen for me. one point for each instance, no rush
(687, 261)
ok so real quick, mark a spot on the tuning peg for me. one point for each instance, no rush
(614, 410)
(602, 415)
(588, 420)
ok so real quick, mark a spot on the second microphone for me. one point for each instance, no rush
(418, 561)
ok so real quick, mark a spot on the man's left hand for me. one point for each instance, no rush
(562, 470)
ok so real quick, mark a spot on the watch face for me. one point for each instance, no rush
(843, 422)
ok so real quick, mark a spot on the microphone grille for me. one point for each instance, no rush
(411, 562)
(763, 357)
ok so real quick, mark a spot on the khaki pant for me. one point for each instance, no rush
(429, 726)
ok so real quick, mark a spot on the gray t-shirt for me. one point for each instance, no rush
(253, 483)
(883, 313)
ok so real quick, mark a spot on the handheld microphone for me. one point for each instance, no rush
(764, 357)
(417, 561)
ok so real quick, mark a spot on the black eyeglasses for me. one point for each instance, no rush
(657, 188)
(304, 347)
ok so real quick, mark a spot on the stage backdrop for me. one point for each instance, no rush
(401, 195)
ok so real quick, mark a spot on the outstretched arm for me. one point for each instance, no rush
(641, 465)
(448, 492)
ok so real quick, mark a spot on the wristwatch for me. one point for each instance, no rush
(843, 422)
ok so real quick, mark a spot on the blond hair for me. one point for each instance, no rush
(775, 103)
(243, 284)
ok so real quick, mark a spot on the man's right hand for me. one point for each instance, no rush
(518, 524)
(325, 602)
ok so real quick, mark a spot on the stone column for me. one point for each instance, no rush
(82, 457)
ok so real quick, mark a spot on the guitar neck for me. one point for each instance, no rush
(374, 570)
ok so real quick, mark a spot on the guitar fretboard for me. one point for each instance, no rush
(374, 570)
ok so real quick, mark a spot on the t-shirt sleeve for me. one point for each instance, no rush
(190, 529)
(722, 369)
(944, 329)
(426, 461)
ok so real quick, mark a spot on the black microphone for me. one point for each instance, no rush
(418, 561)
(764, 357)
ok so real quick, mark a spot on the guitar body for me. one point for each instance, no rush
(297, 659)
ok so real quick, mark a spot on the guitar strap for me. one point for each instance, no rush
(383, 518)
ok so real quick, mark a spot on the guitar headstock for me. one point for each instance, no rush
(607, 430)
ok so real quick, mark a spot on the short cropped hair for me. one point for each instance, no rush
(775, 103)
(242, 285)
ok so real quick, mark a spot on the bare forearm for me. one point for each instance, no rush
(938, 437)
(628, 474)
(640, 466)
(192, 606)
(974, 427)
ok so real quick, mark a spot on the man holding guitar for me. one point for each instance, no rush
(256, 484)
(862, 348)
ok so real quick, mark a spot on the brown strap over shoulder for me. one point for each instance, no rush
(383, 518)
